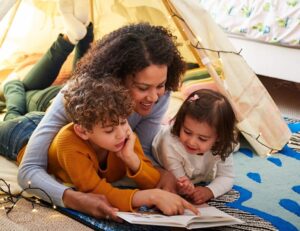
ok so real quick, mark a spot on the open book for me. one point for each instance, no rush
(209, 217)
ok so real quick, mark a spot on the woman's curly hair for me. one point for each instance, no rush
(130, 49)
(213, 108)
(90, 101)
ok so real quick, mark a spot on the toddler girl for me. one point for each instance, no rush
(198, 146)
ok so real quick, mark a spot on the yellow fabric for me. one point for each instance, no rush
(73, 161)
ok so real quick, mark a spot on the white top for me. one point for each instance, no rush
(171, 154)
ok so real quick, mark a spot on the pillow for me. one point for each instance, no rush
(196, 79)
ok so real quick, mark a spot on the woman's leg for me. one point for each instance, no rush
(40, 100)
(45, 71)
(84, 44)
(14, 94)
(15, 133)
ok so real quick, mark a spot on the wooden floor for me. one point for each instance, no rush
(286, 95)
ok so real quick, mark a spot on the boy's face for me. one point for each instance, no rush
(108, 137)
(196, 137)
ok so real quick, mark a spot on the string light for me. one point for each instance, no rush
(198, 44)
(272, 150)
(13, 199)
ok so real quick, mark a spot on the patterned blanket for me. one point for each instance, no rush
(274, 22)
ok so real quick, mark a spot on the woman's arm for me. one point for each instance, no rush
(33, 167)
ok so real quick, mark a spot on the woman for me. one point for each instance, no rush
(149, 64)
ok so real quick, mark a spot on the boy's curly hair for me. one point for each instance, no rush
(128, 50)
(214, 109)
(90, 101)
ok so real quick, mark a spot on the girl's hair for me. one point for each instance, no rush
(130, 49)
(214, 109)
(90, 101)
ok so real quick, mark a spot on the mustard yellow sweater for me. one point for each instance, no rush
(73, 161)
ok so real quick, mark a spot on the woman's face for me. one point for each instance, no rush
(146, 87)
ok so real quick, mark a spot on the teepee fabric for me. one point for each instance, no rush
(30, 26)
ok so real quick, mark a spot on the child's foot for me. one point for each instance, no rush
(82, 11)
(75, 29)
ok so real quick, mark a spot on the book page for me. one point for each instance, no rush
(212, 217)
(209, 217)
(155, 219)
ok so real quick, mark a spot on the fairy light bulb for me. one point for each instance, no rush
(34, 210)
(199, 39)
(54, 206)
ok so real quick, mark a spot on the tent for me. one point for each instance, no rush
(30, 26)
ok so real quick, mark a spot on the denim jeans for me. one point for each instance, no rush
(15, 133)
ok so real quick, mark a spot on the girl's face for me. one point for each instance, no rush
(196, 137)
(146, 87)
(111, 138)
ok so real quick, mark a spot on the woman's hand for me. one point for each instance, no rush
(169, 203)
(93, 204)
(201, 195)
(184, 186)
(127, 154)
(167, 181)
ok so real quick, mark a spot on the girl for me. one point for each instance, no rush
(197, 147)
(146, 60)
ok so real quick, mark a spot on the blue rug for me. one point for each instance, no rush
(270, 187)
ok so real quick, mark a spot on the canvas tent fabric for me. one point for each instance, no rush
(31, 25)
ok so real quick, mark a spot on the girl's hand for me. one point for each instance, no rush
(201, 195)
(167, 202)
(184, 186)
(127, 154)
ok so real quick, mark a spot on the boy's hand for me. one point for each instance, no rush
(168, 203)
(184, 186)
(201, 195)
(127, 154)
(171, 203)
